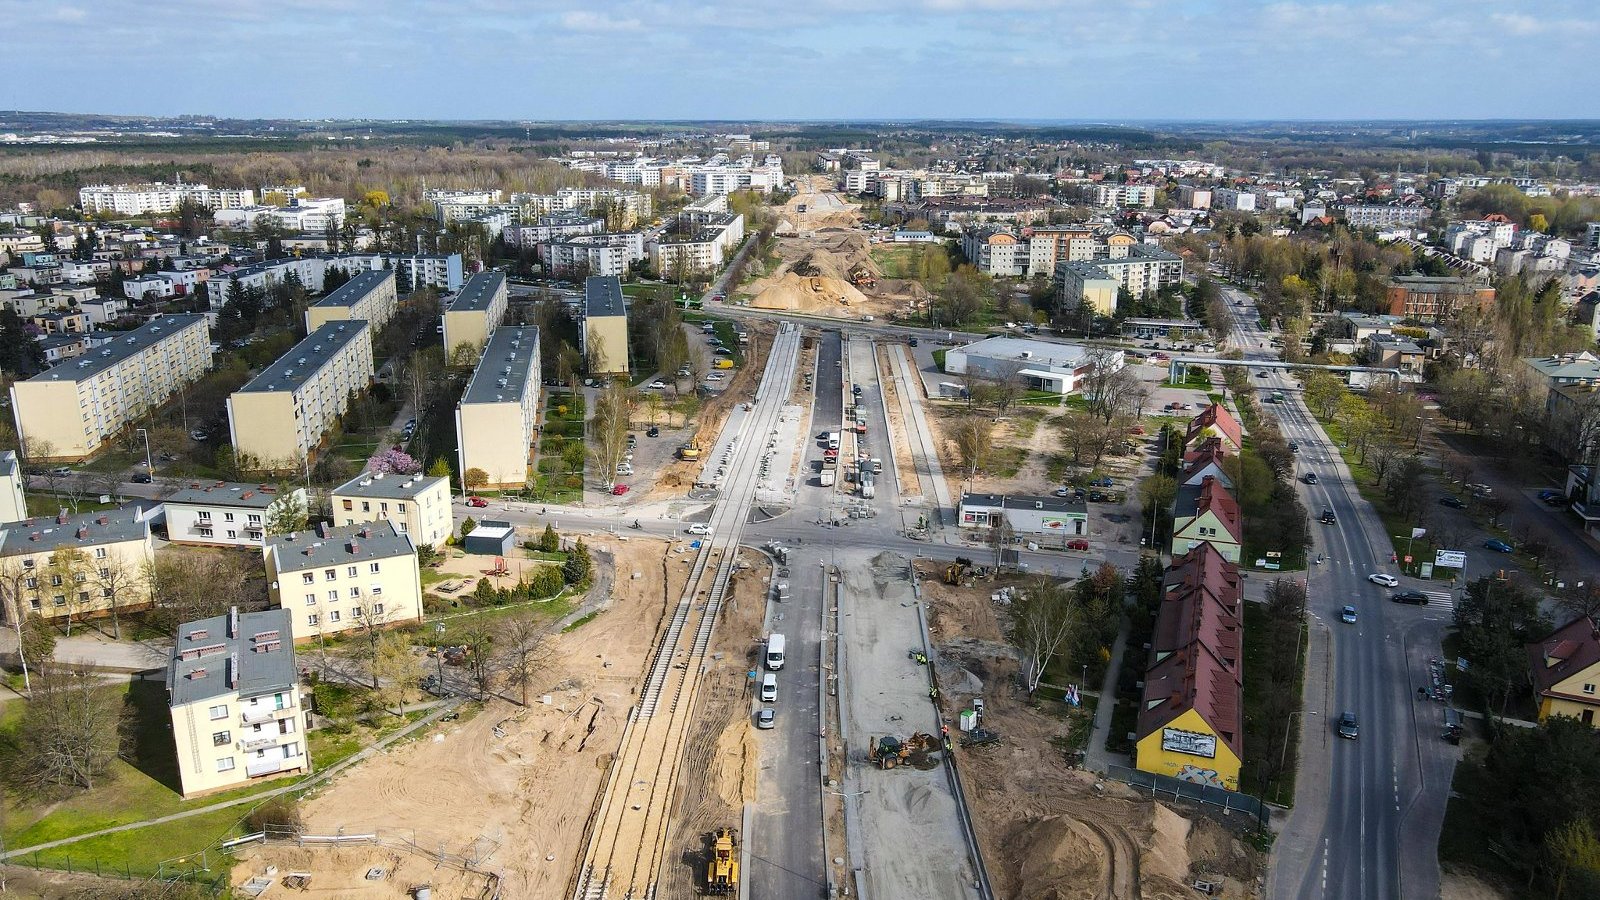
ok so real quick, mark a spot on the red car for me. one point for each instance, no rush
(477, 501)
(1079, 544)
(619, 490)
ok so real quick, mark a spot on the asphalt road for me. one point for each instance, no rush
(1367, 812)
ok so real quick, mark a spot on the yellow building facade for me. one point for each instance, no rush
(1189, 749)
(280, 417)
(337, 579)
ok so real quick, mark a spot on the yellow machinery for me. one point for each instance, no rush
(690, 450)
(722, 874)
(954, 572)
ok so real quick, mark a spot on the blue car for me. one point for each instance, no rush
(1497, 545)
(1348, 615)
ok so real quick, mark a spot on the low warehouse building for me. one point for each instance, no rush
(1042, 365)
(1054, 516)
(491, 538)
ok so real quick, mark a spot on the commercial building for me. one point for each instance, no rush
(499, 410)
(1040, 516)
(1041, 365)
(605, 326)
(419, 504)
(1191, 715)
(1173, 330)
(76, 565)
(137, 199)
(279, 418)
(1206, 514)
(475, 312)
(225, 513)
(75, 407)
(1435, 299)
(13, 486)
(334, 579)
(368, 295)
(233, 695)
(1564, 670)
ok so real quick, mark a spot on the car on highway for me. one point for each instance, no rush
(1497, 545)
(1328, 518)
(1309, 478)
(700, 528)
(1453, 502)
(1294, 446)
(1348, 615)
(1416, 598)
(1384, 579)
(1261, 374)
(766, 718)
(477, 502)
(1348, 727)
(617, 490)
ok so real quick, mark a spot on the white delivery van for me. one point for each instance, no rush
(769, 688)
(833, 440)
(775, 648)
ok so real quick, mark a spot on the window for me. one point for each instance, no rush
(355, 612)
(34, 602)
(384, 507)
(232, 533)
(227, 517)
(349, 505)
(373, 568)
(312, 620)
(1588, 689)
(105, 572)
(220, 711)
(253, 518)
(99, 553)
(330, 574)
(225, 764)
(106, 593)
(333, 616)
(80, 577)
(351, 571)
(377, 589)
(83, 596)
(311, 599)
(333, 596)
(286, 726)
(221, 738)
(402, 507)
(355, 592)
(307, 578)
(377, 609)
(33, 582)
(365, 506)
(55, 580)
(60, 600)
(27, 562)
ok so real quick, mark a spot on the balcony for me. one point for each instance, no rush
(257, 715)
(261, 743)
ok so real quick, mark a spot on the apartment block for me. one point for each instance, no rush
(334, 579)
(13, 485)
(225, 513)
(1233, 200)
(1434, 299)
(75, 565)
(80, 404)
(368, 295)
(1142, 195)
(1080, 284)
(280, 416)
(233, 695)
(475, 312)
(309, 270)
(499, 410)
(996, 251)
(1373, 215)
(701, 252)
(136, 199)
(604, 336)
(556, 227)
(592, 254)
(419, 504)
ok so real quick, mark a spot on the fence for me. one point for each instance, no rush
(1167, 786)
(402, 840)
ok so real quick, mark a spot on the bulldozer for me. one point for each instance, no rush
(861, 277)
(889, 751)
(954, 572)
(722, 873)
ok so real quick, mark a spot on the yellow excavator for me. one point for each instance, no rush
(722, 874)
(690, 450)
(957, 570)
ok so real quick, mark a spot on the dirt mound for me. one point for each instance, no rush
(1055, 858)
(1166, 853)
(798, 294)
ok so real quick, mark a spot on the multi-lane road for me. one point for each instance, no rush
(1367, 811)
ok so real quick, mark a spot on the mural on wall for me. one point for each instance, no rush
(1197, 775)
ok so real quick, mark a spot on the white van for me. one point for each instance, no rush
(775, 648)
(769, 688)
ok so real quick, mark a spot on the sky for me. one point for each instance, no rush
(1113, 60)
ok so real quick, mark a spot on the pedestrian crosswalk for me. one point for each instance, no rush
(1441, 600)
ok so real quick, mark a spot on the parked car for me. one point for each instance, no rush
(1104, 481)
(198, 435)
(1384, 579)
(1497, 545)
(653, 431)
(700, 528)
(141, 478)
(477, 502)
(912, 342)
(1453, 502)
(1416, 598)
(1553, 498)
(1348, 615)
(658, 385)
(617, 490)
(1063, 491)
(766, 718)
(1348, 727)
(1078, 544)
(61, 471)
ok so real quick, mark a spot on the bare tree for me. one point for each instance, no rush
(183, 587)
(1044, 622)
(119, 582)
(68, 734)
(526, 653)
(396, 670)
(973, 437)
(67, 578)
(482, 664)
(1110, 388)
(608, 428)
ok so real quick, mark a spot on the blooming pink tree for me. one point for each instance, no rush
(393, 462)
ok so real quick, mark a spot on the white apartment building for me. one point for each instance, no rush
(103, 310)
(344, 577)
(313, 214)
(368, 295)
(224, 513)
(84, 271)
(703, 252)
(233, 695)
(557, 227)
(419, 504)
(77, 406)
(1233, 200)
(136, 199)
(14, 244)
(264, 276)
(1376, 215)
(279, 418)
(593, 254)
(459, 201)
(13, 481)
(441, 271)
(1109, 195)
(633, 206)
(499, 411)
(996, 252)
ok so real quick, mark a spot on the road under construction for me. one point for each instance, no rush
(626, 844)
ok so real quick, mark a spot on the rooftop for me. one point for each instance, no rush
(1034, 352)
(356, 289)
(478, 292)
(1048, 504)
(245, 653)
(43, 534)
(330, 546)
(227, 493)
(387, 486)
(506, 367)
(1565, 652)
(602, 296)
(289, 371)
(127, 344)
(1566, 366)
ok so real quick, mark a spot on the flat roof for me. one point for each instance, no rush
(602, 296)
(1040, 353)
(330, 546)
(356, 289)
(478, 292)
(126, 344)
(291, 370)
(506, 366)
(387, 486)
(493, 528)
(245, 653)
(1048, 504)
(227, 493)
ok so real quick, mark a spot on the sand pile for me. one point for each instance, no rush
(1056, 858)
(797, 293)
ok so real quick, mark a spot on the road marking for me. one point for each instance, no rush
(1441, 599)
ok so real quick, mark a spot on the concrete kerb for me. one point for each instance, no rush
(822, 715)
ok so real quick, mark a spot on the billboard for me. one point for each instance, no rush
(1192, 743)
(1450, 559)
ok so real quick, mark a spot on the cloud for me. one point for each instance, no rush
(584, 20)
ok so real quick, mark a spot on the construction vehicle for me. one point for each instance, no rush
(690, 450)
(722, 872)
(860, 277)
(889, 751)
(954, 572)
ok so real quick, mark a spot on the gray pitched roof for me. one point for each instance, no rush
(329, 546)
(249, 653)
(45, 533)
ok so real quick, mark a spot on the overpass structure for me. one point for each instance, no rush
(1176, 366)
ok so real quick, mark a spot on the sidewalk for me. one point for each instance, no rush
(1097, 758)
(90, 647)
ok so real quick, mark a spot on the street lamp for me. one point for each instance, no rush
(148, 468)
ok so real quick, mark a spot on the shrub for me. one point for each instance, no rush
(279, 813)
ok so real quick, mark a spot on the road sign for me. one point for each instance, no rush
(1450, 559)
(1408, 559)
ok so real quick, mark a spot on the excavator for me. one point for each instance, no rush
(954, 572)
(722, 874)
(690, 450)
(888, 751)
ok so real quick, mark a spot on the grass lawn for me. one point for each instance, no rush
(895, 262)
(114, 461)
(1256, 726)
(938, 358)
(1005, 462)
(456, 624)
(42, 504)
(1196, 377)
(142, 850)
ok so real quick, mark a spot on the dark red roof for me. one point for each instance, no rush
(1218, 415)
(1564, 653)
(1194, 678)
(1200, 602)
(1214, 496)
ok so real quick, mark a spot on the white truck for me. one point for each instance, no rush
(826, 479)
(867, 489)
(833, 440)
(775, 648)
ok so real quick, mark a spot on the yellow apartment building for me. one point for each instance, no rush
(13, 482)
(367, 295)
(604, 336)
(75, 407)
(233, 695)
(280, 417)
(76, 566)
(1564, 670)
(475, 312)
(499, 411)
(339, 578)
(419, 504)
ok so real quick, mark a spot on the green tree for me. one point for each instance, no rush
(579, 566)
(440, 468)
(467, 524)
(288, 513)
(1495, 621)
(549, 541)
